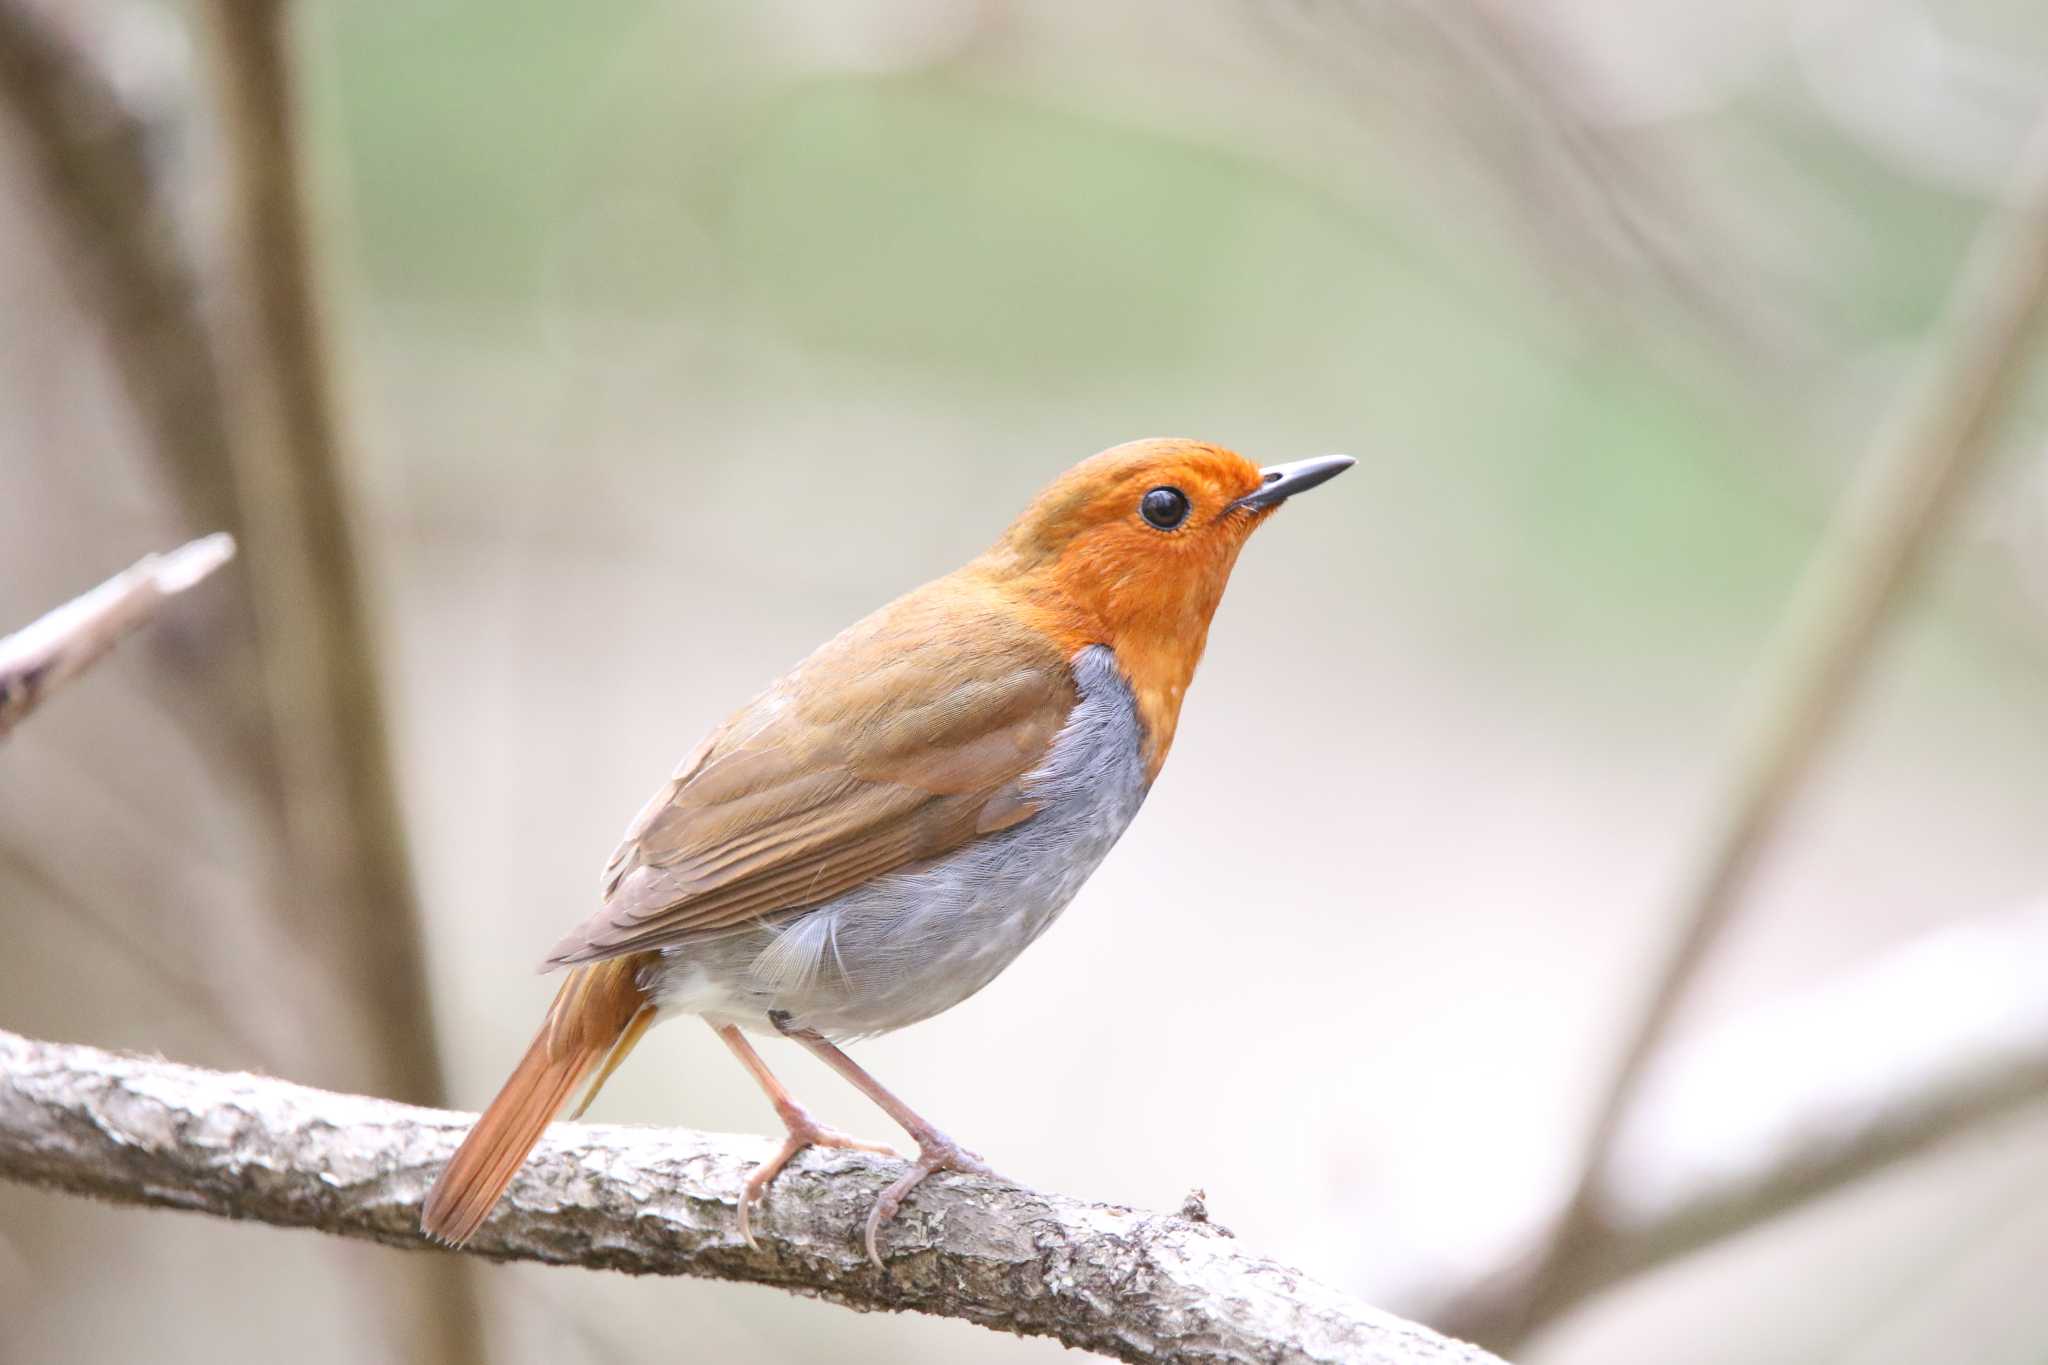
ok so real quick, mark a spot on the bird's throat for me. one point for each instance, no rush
(1159, 671)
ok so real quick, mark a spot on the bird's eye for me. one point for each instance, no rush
(1165, 508)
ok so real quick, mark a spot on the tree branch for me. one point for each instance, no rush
(56, 647)
(1919, 464)
(1136, 1286)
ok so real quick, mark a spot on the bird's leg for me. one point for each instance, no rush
(804, 1131)
(935, 1151)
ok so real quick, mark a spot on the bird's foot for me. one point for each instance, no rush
(804, 1131)
(935, 1152)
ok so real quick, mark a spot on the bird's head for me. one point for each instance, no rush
(1131, 548)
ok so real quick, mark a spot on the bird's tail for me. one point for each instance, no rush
(597, 1017)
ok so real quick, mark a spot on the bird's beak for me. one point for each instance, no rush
(1283, 481)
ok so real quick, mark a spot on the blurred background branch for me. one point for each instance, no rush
(56, 647)
(106, 164)
(1786, 1103)
(1636, 241)
(1942, 429)
(1132, 1286)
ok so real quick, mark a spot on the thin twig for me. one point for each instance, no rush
(1921, 461)
(52, 650)
(1136, 1286)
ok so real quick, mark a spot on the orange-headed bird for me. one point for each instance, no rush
(874, 837)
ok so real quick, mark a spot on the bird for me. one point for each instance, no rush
(883, 829)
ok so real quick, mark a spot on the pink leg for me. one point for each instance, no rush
(935, 1151)
(804, 1131)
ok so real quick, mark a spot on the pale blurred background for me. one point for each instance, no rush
(672, 337)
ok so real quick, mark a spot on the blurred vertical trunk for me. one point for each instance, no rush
(352, 873)
(318, 652)
(311, 941)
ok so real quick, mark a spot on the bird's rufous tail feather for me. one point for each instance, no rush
(597, 1017)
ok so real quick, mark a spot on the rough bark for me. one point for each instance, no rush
(1136, 1286)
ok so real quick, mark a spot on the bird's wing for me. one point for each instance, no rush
(898, 740)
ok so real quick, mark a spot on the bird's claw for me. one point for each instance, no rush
(935, 1152)
(804, 1131)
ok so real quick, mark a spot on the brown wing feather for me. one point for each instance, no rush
(900, 739)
